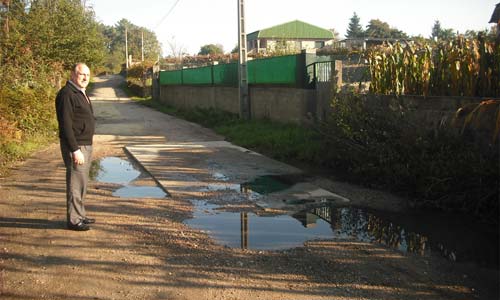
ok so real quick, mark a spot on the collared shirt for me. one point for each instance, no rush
(80, 89)
(76, 86)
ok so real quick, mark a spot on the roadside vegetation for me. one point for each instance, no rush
(38, 44)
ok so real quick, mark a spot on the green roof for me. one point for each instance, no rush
(292, 30)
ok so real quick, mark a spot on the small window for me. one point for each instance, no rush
(319, 44)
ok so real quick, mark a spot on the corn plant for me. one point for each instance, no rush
(462, 67)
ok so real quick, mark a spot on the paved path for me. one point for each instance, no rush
(187, 159)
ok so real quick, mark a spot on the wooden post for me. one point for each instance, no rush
(337, 75)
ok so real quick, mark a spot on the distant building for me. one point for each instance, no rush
(367, 42)
(495, 18)
(292, 36)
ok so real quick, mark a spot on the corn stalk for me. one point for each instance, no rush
(462, 67)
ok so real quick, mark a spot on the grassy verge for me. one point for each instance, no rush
(15, 151)
(286, 142)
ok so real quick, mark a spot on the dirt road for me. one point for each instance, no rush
(141, 249)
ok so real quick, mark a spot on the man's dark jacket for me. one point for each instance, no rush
(75, 117)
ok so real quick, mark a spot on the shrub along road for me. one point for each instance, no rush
(141, 249)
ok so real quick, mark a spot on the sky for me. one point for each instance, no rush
(191, 24)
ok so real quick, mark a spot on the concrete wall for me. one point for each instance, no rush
(302, 106)
(223, 98)
(281, 104)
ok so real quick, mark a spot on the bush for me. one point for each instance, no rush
(27, 115)
(437, 168)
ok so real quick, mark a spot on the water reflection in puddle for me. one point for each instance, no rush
(119, 171)
(251, 231)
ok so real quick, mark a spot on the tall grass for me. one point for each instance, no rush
(281, 141)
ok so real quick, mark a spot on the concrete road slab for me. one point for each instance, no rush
(221, 172)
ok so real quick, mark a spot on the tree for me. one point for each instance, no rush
(211, 49)
(436, 30)
(50, 31)
(136, 37)
(448, 34)
(379, 29)
(439, 33)
(354, 29)
(236, 49)
(39, 41)
(335, 33)
(176, 50)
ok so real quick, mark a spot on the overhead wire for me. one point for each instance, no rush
(167, 14)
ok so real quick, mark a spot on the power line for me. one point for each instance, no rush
(167, 14)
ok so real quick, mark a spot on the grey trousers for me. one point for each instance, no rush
(77, 177)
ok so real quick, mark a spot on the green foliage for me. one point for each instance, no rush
(50, 30)
(140, 42)
(211, 49)
(139, 79)
(354, 29)
(379, 29)
(288, 142)
(14, 151)
(439, 33)
(38, 43)
(380, 148)
(282, 141)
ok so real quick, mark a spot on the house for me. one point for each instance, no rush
(292, 36)
(495, 18)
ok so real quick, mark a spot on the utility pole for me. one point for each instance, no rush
(142, 46)
(242, 66)
(6, 7)
(126, 49)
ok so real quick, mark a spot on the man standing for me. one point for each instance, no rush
(76, 130)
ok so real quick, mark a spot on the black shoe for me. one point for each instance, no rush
(88, 221)
(78, 227)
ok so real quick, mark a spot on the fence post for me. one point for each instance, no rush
(337, 75)
(212, 81)
(155, 93)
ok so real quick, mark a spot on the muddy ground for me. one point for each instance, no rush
(141, 249)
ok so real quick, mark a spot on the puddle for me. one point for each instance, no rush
(409, 234)
(113, 170)
(268, 184)
(455, 237)
(120, 171)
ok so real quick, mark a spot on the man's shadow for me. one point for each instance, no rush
(32, 223)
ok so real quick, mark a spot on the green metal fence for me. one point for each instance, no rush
(274, 70)
(283, 70)
(201, 75)
(226, 74)
(171, 77)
